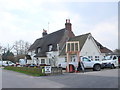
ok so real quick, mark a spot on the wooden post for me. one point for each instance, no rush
(70, 47)
(67, 62)
(74, 47)
(78, 58)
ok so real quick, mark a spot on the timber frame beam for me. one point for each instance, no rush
(72, 47)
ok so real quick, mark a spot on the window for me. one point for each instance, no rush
(72, 46)
(50, 47)
(65, 59)
(42, 61)
(39, 50)
(74, 59)
(49, 61)
(68, 47)
(76, 47)
(90, 57)
(96, 58)
(71, 58)
(114, 57)
(58, 48)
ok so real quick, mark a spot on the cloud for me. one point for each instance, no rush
(19, 4)
(107, 33)
(25, 19)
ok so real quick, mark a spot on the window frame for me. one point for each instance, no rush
(97, 58)
(42, 60)
(38, 49)
(50, 47)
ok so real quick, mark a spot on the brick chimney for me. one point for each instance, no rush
(68, 25)
(44, 33)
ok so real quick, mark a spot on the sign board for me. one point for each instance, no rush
(47, 69)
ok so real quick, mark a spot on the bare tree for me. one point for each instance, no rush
(117, 51)
(21, 47)
(0, 52)
(27, 46)
(16, 47)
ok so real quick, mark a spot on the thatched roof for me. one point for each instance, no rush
(49, 39)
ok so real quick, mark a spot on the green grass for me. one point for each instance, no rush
(26, 70)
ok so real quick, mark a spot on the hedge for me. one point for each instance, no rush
(26, 70)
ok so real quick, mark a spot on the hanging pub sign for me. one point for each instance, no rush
(47, 69)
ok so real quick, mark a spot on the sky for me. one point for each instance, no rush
(26, 19)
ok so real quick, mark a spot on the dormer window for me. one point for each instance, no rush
(50, 47)
(39, 50)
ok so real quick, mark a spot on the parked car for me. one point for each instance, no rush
(110, 61)
(7, 63)
(3, 64)
(32, 65)
(87, 63)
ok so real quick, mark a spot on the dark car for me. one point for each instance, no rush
(32, 65)
(119, 61)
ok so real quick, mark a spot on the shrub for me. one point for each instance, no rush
(26, 70)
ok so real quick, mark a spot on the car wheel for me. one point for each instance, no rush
(112, 66)
(97, 67)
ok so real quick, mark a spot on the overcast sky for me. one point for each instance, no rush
(25, 20)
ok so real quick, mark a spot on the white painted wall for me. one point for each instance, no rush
(61, 59)
(91, 49)
(39, 60)
(53, 57)
(29, 61)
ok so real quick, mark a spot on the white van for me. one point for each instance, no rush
(110, 61)
(22, 61)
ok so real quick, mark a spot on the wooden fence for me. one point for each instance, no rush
(55, 71)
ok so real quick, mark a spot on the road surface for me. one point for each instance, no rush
(97, 79)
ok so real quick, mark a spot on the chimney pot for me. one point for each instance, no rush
(67, 20)
(68, 25)
(44, 32)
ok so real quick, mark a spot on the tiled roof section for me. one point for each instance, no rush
(102, 48)
(81, 39)
(105, 50)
